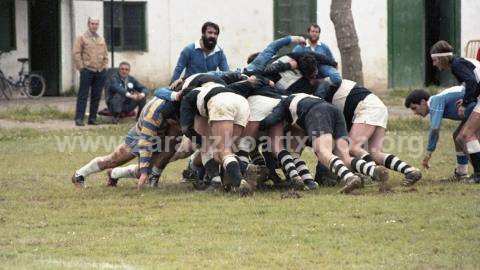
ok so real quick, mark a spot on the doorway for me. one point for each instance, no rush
(44, 36)
(442, 23)
(413, 27)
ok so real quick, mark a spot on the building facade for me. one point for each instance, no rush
(394, 35)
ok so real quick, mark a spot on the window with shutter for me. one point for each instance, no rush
(292, 17)
(129, 33)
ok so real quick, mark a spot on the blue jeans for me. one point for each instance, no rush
(165, 93)
(94, 81)
(267, 54)
(331, 72)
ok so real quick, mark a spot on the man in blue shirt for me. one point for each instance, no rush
(442, 105)
(201, 56)
(314, 45)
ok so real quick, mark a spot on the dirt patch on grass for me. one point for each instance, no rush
(45, 126)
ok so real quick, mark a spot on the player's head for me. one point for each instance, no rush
(313, 32)
(252, 57)
(417, 101)
(442, 54)
(308, 66)
(210, 32)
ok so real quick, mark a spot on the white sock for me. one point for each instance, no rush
(90, 168)
(217, 179)
(124, 172)
(473, 147)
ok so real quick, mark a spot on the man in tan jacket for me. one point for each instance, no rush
(91, 59)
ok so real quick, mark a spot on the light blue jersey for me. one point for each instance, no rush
(443, 105)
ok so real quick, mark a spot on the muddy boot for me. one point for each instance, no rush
(350, 184)
(111, 182)
(245, 189)
(412, 177)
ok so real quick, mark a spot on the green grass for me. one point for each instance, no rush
(415, 123)
(396, 97)
(46, 224)
(26, 114)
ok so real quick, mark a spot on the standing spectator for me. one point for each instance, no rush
(314, 45)
(91, 59)
(125, 93)
(202, 56)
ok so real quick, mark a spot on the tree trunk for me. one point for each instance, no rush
(347, 39)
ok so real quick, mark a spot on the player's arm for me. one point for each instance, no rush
(437, 107)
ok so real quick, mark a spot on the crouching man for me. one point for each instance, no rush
(125, 93)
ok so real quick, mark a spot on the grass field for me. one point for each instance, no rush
(46, 224)
(25, 113)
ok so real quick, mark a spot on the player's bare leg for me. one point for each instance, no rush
(121, 155)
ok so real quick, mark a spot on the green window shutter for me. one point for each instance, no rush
(134, 26)
(7, 25)
(292, 17)
(129, 25)
(117, 29)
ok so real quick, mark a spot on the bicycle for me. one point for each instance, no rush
(30, 85)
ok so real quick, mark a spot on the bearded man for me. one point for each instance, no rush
(202, 56)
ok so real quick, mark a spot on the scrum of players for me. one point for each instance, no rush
(237, 129)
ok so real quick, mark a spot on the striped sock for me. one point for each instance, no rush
(257, 158)
(286, 160)
(243, 160)
(232, 169)
(363, 167)
(339, 169)
(394, 163)
(473, 149)
(367, 157)
(302, 169)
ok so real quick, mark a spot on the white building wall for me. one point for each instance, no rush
(8, 61)
(246, 27)
(469, 22)
(371, 22)
(84, 9)
(66, 60)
